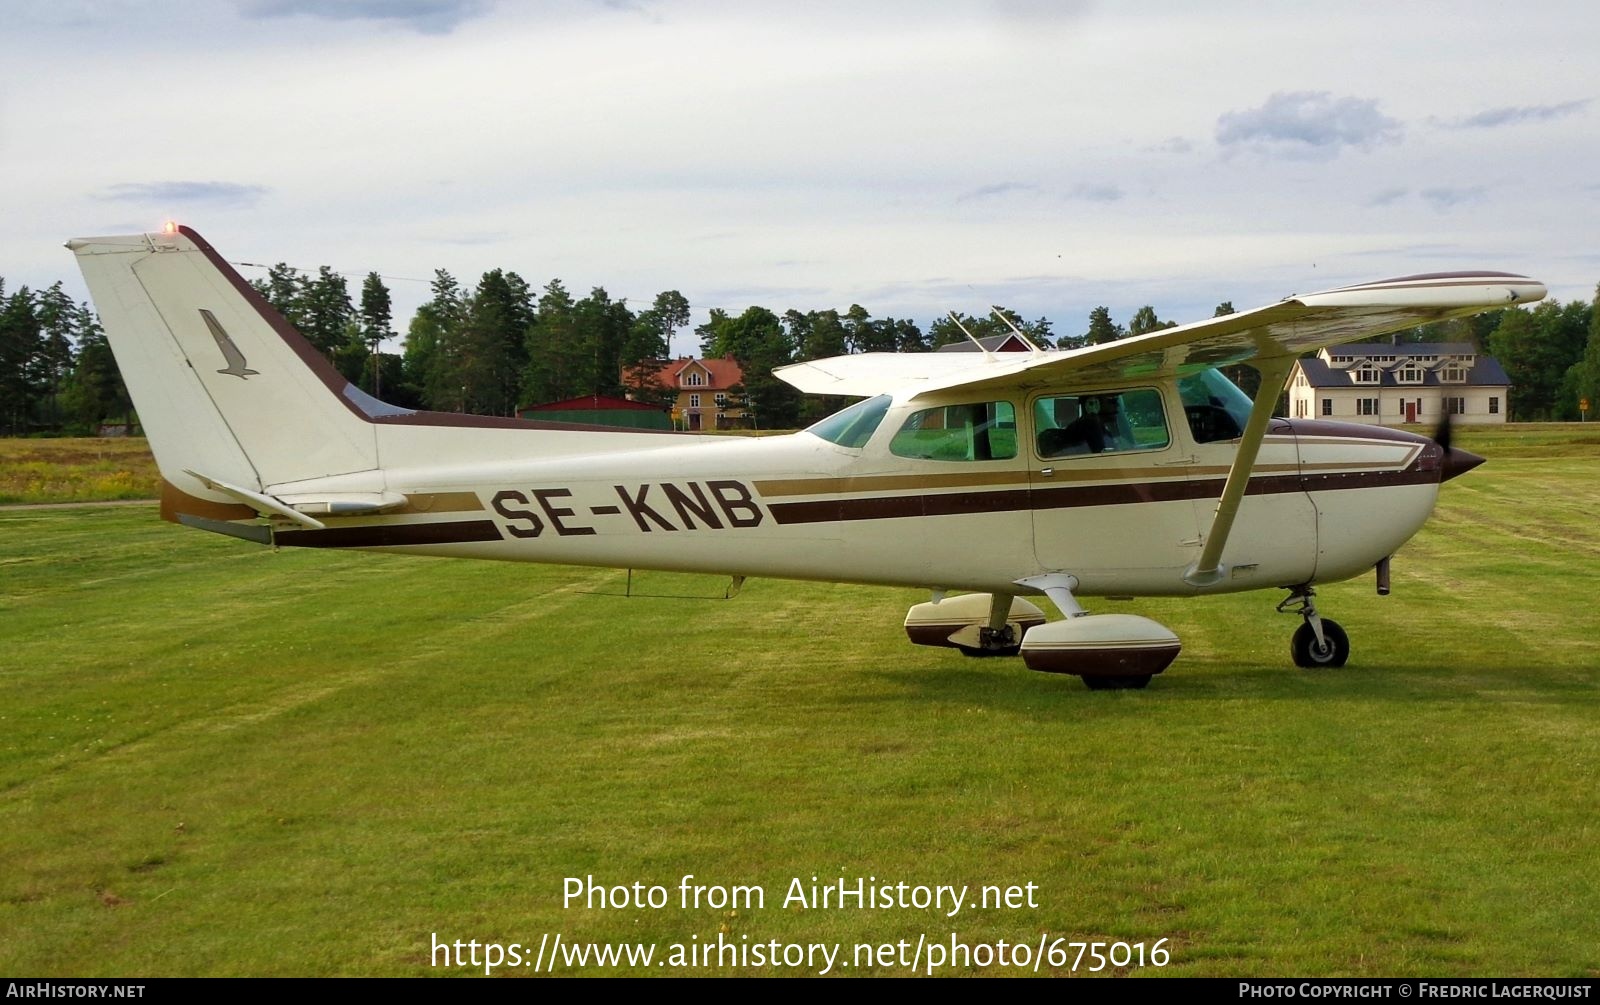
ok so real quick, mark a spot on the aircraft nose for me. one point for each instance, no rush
(1457, 462)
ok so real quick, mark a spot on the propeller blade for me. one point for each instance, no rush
(1454, 461)
(1441, 435)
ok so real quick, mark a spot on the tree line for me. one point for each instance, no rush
(501, 344)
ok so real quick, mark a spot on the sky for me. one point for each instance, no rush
(915, 158)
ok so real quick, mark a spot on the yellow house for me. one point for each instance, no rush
(709, 392)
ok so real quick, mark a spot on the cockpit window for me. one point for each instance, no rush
(985, 431)
(853, 427)
(1117, 421)
(1214, 405)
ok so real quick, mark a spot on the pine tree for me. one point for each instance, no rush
(1101, 328)
(377, 315)
(555, 364)
(21, 340)
(1145, 321)
(432, 347)
(326, 311)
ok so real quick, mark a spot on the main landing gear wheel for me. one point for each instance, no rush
(1331, 654)
(1131, 682)
(999, 650)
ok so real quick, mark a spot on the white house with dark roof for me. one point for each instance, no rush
(1388, 384)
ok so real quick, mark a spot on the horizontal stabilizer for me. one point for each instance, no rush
(263, 504)
(345, 503)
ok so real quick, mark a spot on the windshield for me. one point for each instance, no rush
(1214, 405)
(853, 426)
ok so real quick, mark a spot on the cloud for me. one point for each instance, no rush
(1095, 193)
(1514, 115)
(430, 17)
(1387, 196)
(1000, 188)
(1307, 124)
(1173, 145)
(642, 8)
(1445, 198)
(213, 193)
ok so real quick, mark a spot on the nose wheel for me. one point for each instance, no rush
(1331, 652)
(1319, 644)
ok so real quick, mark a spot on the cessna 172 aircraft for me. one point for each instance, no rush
(1126, 469)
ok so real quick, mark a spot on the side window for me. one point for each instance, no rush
(1100, 423)
(983, 432)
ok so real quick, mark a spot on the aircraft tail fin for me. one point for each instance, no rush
(227, 391)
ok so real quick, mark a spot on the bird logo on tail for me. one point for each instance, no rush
(230, 352)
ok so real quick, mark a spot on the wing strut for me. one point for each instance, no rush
(1208, 570)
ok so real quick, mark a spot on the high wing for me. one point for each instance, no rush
(1263, 336)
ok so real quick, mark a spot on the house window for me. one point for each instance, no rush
(1453, 375)
(1366, 406)
(1456, 406)
(1367, 374)
(1410, 374)
(694, 401)
(694, 378)
(1327, 406)
(722, 400)
(1494, 406)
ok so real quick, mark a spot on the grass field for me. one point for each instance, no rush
(77, 470)
(220, 760)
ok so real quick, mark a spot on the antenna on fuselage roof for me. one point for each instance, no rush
(981, 347)
(995, 309)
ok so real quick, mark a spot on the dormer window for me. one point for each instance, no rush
(694, 378)
(1453, 374)
(1410, 374)
(1365, 374)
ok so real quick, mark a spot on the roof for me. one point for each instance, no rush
(1008, 342)
(1485, 372)
(1407, 349)
(721, 373)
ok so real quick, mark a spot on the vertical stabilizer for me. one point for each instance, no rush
(223, 385)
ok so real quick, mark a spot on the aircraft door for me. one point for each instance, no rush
(1110, 492)
(1274, 536)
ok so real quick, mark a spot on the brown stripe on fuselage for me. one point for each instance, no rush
(1074, 496)
(441, 502)
(1010, 477)
(391, 535)
(175, 501)
(884, 483)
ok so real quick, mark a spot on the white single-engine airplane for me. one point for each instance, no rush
(1132, 468)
